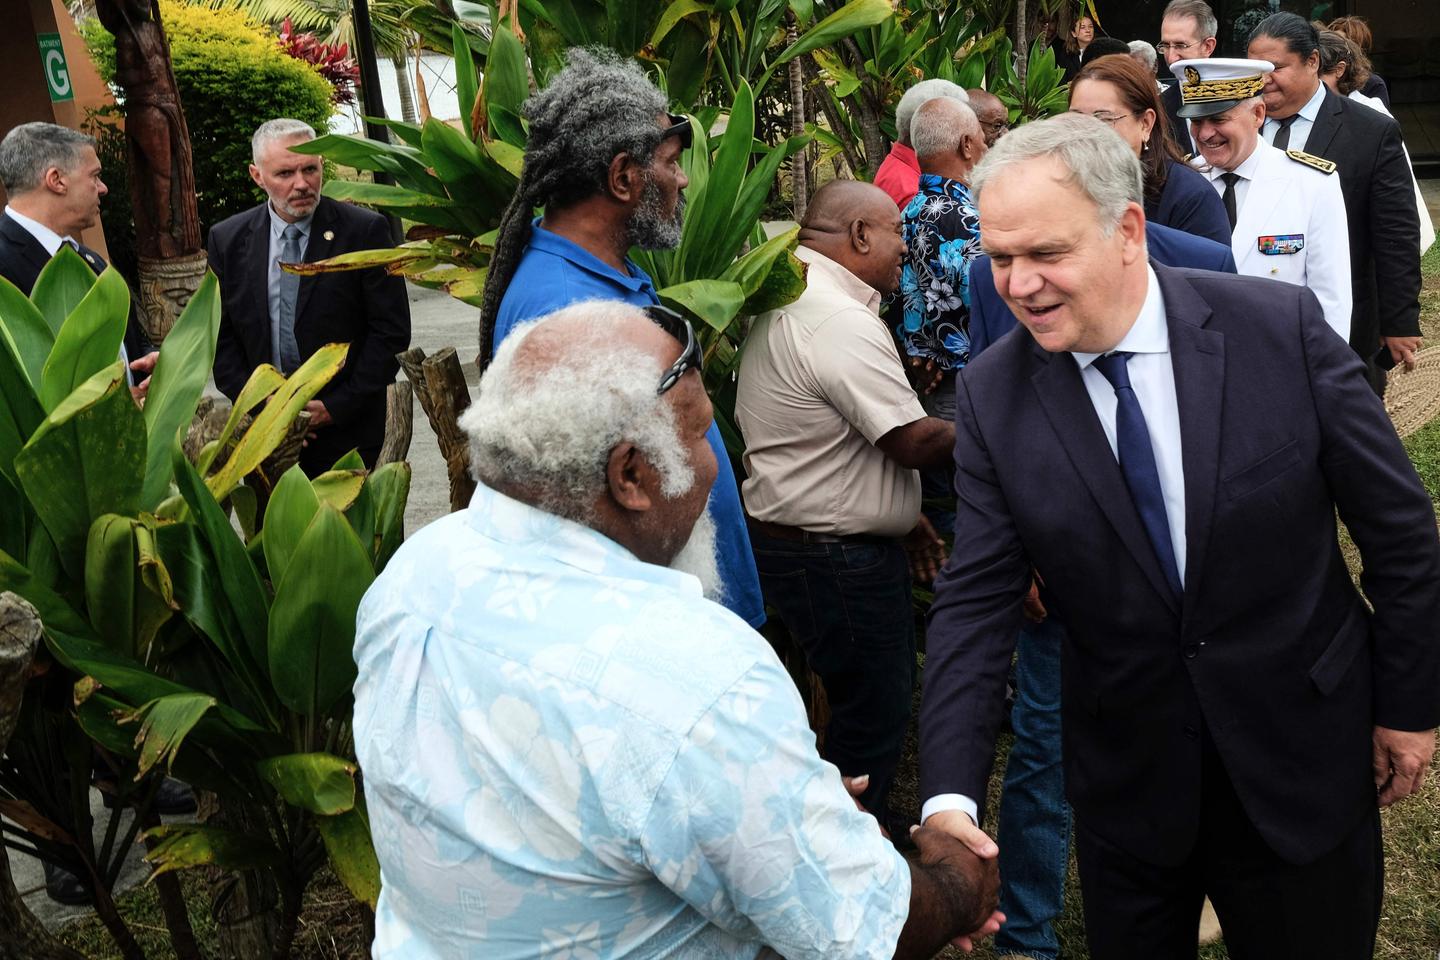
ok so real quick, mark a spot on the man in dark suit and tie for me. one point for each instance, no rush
(1167, 450)
(1366, 147)
(270, 316)
(1187, 32)
(52, 181)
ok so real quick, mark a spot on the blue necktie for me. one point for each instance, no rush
(1137, 463)
(289, 358)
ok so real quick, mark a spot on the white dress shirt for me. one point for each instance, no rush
(1300, 129)
(1152, 375)
(52, 242)
(1246, 172)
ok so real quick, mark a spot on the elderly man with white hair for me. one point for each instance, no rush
(899, 173)
(568, 749)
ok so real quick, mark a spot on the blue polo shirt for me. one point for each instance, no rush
(554, 273)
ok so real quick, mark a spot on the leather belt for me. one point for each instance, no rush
(779, 531)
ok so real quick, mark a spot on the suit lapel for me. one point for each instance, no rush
(1326, 126)
(25, 246)
(1197, 356)
(1066, 402)
(317, 248)
(257, 262)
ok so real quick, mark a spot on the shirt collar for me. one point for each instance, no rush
(278, 223)
(1311, 110)
(905, 155)
(552, 243)
(849, 284)
(934, 183)
(505, 520)
(1248, 167)
(46, 237)
(1148, 334)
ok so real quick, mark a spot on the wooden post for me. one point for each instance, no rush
(22, 937)
(439, 383)
(399, 423)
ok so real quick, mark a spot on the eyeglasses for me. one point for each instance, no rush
(679, 127)
(995, 124)
(1165, 47)
(1110, 118)
(691, 358)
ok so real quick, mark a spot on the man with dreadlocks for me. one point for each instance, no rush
(603, 160)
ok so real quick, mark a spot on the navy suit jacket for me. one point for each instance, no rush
(368, 309)
(1271, 651)
(991, 319)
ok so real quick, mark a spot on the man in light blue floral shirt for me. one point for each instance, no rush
(568, 750)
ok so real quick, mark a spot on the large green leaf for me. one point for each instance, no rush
(89, 340)
(20, 410)
(506, 85)
(770, 274)
(467, 79)
(62, 284)
(676, 11)
(25, 325)
(389, 490)
(352, 852)
(312, 621)
(717, 302)
(273, 423)
(185, 845)
(56, 613)
(321, 783)
(293, 504)
(96, 714)
(362, 260)
(86, 459)
(479, 186)
(850, 19)
(409, 204)
(164, 724)
(117, 600)
(756, 191)
(263, 382)
(176, 384)
(708, 219)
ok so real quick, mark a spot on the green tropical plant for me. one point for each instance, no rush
(190, 646)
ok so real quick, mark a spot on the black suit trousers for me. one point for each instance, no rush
(1269, 909)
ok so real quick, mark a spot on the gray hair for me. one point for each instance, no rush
(917, 95)
(940, 124)
(549, 429)
(1197, 10)
(33, 148)
(273, 131)
(1143, 52)
(1101, 164)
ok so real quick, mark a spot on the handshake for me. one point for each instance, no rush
(954, 887)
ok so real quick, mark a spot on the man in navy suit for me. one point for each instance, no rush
(1034, 831)
(1166, 450)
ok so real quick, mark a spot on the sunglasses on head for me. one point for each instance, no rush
(678, 327)
(679, 127)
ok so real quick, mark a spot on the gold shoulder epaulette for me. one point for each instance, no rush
(1310, 160)
(1189, 157)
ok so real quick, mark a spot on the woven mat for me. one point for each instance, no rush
(1413, 399)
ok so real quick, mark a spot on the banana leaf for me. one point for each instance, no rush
(714, 301)
(89, 340)
(312, 621)
(61, 285)
(87, 458)
(164, 724)
(181, 373)
(116, 596)
(321, 783)
(352, 852)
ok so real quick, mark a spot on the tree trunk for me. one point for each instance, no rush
(407, 93)
(162, 179)
(1022, 43)
(799, 175)
(172, 902)
(866, 110)
(22, 937)
(439, 383)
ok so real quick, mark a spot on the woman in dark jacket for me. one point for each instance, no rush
(1120, 92)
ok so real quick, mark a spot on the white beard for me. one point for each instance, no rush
(698, 558)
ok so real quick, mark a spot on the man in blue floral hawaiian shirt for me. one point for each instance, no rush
(942, 236)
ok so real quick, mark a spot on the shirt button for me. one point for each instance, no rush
(1191, 650)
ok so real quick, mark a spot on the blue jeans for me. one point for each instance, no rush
(1034, 834)
(847, 605)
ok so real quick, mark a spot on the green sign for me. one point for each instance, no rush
(57, 73)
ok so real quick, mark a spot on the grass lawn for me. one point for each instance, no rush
(331, 926)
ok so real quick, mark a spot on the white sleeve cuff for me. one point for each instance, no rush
(950, 801)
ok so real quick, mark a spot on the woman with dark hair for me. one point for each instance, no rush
(1357, 31)
(1118, 91)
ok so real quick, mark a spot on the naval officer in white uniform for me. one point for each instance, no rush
(1287, 214)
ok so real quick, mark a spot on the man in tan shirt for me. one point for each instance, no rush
(834, 435)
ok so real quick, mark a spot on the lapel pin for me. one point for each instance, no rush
(329, 234)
